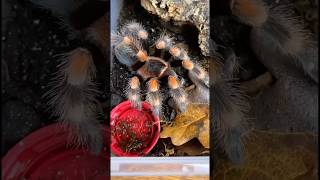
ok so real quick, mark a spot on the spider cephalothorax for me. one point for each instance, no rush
(129, 50)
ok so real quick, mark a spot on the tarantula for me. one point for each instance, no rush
(276, 38)
(282, 44)
(128, 48)
(74, 91)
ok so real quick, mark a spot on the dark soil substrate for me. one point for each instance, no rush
(31, 39)
(29, 42)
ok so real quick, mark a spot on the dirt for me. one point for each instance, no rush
(29, 42)
(31, 39)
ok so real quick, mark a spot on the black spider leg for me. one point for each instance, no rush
(73, 98)
(229, 108)
(161, 53)
(170, 72)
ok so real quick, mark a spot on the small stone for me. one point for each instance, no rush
(25, 77)
(172, 115)
(36, 21)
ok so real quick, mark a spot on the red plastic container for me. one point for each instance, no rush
(44, 155)
(133, 132)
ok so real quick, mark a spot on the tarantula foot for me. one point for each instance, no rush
(179, 53)
(72, 98)
(196, 73)
(177, 93)
(154, 96)
(164, 42)
(128, 50)
(134, 29)
(133, 92)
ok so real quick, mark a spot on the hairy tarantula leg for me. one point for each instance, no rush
(179, 53)
(154, 96)
(229, 111)
(166, 43)
(72, 98)
(282, 31)
(134, 92)
(251, 12)
(163, 43)
(128, 50)
(135, 30)
(177, 93)
(196, 73)
(230, 121)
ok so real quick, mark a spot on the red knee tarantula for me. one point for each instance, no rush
(73, 97)
(128, 49)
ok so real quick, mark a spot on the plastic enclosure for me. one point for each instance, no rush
(154, 166)
(160, 166)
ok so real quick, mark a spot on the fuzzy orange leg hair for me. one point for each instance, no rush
(154, 96)
(128, 49)
(178, 93)
(135, 30)
(196, 73)
(72, 99)
(134, 92)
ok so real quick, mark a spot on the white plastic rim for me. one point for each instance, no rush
(116, 6)
(160, 166)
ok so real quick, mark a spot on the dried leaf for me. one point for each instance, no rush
(272, 156)
(194, 123)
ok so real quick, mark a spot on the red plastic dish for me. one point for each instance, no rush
(44, 155)
(142, 124)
